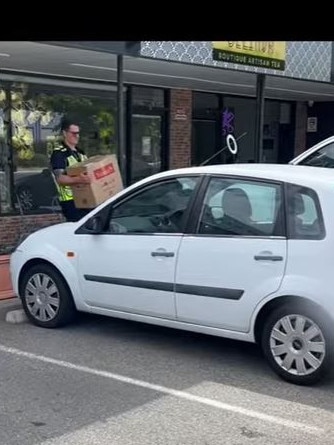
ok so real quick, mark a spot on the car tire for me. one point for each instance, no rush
(297, 343)
(46, 297)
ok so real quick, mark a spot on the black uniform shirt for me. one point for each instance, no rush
(58, 158)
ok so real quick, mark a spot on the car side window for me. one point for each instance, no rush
(321, 158)
(159, 208)
(241, 207)
(304, 214)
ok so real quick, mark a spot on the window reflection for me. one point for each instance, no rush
(35, 113)
(160, 208)
(244, 208)
(5, 202)
(146, 146)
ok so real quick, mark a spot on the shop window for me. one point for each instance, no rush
(205, 105)
(242, 126)
(5, 174)
(147, 132)
(35, 116)
(4, 180)
(146, 146)
(149, 98)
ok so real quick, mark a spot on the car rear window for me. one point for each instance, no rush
(305, 219)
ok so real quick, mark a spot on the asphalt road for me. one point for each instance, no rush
(104, 381)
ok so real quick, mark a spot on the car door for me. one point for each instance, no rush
(235, 256)
(130, 266)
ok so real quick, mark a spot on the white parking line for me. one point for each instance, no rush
(171, 392)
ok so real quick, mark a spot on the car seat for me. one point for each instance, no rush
(237, 210)
(296, 208)
(236, 205)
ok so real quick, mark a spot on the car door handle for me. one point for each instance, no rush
(162, 253)
(268, 258)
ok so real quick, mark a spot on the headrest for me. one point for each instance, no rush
(298, 204)
(235, 203)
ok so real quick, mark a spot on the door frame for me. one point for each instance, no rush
(131, 110)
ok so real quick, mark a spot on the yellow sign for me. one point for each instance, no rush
(263, 54)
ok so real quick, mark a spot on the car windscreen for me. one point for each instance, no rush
(323, 157)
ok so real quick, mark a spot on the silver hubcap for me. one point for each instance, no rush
(42, 297)
(297, 344)
(26, 199)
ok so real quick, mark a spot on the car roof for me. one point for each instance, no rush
(297, 174)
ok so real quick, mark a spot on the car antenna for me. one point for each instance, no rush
(231, 145)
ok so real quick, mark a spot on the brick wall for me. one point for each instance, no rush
(14, 228)
(180, 128)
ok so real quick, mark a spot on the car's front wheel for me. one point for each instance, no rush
(46, 297)
(297, 344)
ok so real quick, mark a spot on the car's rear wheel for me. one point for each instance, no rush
(46, 297)
(297, 344)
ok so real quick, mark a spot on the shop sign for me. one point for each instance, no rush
(146, 146)
(180, 114)
(269, 55)
(312, 124)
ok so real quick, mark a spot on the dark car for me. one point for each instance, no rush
(35, 190)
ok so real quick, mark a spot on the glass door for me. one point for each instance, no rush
(146, 146)
(204, 142)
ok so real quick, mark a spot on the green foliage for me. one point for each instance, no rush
(94, 115)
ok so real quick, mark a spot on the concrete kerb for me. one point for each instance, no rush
(11, 311)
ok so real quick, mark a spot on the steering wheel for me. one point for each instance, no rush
(169, 220)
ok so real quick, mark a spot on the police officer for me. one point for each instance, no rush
(63, 156)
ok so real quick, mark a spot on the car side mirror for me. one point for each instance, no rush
(94, 225)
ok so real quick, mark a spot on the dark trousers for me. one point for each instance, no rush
(71, 213)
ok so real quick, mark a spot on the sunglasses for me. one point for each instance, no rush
(75, 133)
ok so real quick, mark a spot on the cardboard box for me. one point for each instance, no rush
(106, 180)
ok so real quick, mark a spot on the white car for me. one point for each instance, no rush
(243, 251)
(319, 155)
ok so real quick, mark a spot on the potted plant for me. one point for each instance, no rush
(6, 290)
